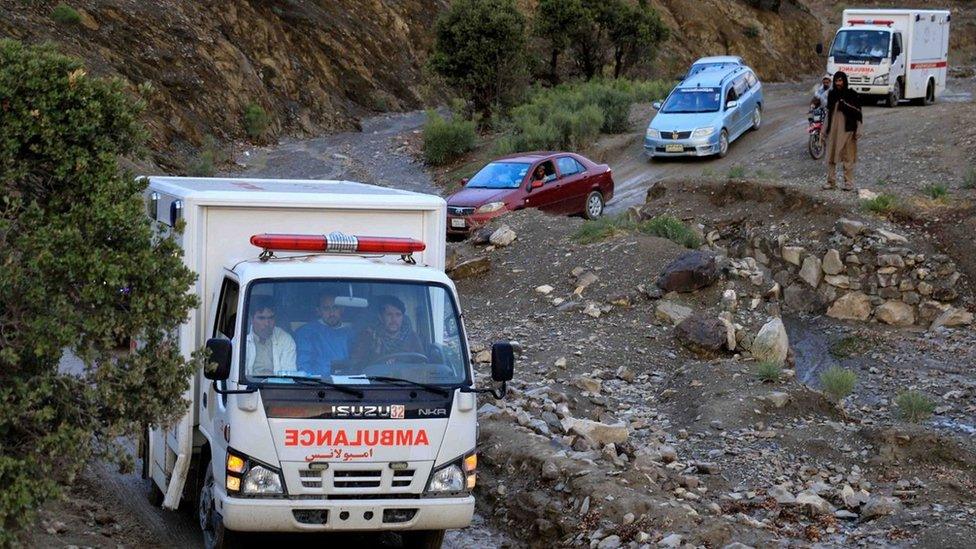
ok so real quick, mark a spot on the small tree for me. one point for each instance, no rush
(479, 49)
(82, 271)
(558, 21)
(634, 33)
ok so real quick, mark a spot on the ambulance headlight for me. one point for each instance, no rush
(261, 481)
(447, 479)
(883, 79)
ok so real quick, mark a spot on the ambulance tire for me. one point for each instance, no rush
(215, 535)
(427, 539)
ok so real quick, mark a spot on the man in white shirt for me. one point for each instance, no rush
(270, 350)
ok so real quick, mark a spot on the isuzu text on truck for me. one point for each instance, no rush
(339, 394)
(893, 54)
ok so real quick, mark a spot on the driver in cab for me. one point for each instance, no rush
(391, 335)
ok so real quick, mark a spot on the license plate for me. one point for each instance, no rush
(458, 223)
(674, 148)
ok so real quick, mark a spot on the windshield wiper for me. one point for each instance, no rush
(304, 380)
(432, 388)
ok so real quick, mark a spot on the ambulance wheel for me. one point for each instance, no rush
(929, 93)
(892, 99)
(215, 535)
(429, 539)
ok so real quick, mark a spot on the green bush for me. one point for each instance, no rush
(571, 116)
(914, 406)
(447, 140)
(838, 382)
(935, 191)
(849, 346)
(737, 172)
(881, 204)
(671, 228)
(82, 272)
(752, 31)
(205, 162)
(65, 14)
(768, 371)
(602, 228)
(969, 179)
(255, 121)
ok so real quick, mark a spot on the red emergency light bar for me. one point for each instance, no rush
(885, 22)
(337, 243)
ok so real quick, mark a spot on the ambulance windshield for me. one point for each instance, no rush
(352, 332)
(860, 46)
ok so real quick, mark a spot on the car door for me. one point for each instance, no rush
(746, 103)
(572, 184)
(546, 197)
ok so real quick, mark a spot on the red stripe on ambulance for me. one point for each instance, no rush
(360, 437)
(930, 65)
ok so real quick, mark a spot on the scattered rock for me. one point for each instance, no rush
(692, 271)
(778, 399)
(671, 312)
(792, 254)
(771, 343)
(673, 540)
(592, 309)
(891, 237)
(849, 227)
(896, 313)
(852, 306)
(811, 271)
(879, 506)
(595, 431)
(853, 499)
(726, 320)
(589, 384)
(801, 298)
(813, 503)
(609, 542)
(953, 317)
(832, 263)
(729, 300)
(503, 236)
(545, 289)
(782, 495)
(866, 194)
(471, 267)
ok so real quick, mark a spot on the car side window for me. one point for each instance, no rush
(567, 166)
(741, 86)
(548, 169)
(752, 80)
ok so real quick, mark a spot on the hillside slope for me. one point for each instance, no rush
(314, 66)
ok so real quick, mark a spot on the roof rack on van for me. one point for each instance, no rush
(732, 72)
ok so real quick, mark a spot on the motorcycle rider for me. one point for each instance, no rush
(820, 93)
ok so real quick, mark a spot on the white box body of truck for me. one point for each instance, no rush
(304, 437)
(893, 54)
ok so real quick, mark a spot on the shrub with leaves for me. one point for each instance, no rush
(671, 228)
(601, 228)
(83, 272)
(936, 191)
(256, 121)
(881, 204)
(446, 140)
(838, 382)
(768, 371)
(65, 14)
(914, 406)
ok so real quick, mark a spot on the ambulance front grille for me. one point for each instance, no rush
(360, 478)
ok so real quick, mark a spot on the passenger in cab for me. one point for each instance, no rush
(392, 334)
(269, 349)
(323, 341)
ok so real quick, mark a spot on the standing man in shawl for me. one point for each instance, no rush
(843, 130)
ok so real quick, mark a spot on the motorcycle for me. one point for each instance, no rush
(817, 141)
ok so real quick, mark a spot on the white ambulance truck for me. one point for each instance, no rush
(339, 394)
(893, 54)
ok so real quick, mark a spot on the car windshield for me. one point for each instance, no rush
(301, 332)
(499, 175)
(860, 46)
(691, 100)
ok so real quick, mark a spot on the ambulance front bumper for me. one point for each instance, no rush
(323, 515)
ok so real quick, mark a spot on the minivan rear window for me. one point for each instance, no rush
(692, 100)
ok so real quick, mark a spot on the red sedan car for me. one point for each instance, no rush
(555, 182)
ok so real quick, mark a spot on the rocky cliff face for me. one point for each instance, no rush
(314, 65)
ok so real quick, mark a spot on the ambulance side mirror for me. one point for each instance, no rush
(218, 363)
(503, 361)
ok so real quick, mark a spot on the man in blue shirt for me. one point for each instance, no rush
(323, 341)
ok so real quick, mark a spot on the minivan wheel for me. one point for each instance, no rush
(723, 144)
(757, 117)
(594, 205)
(215, 536)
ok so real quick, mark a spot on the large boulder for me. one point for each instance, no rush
(596, 432)
(503, 236)
(771, 344)
(801, 298)
(470, 267)
(832, 264)
(692, 271)
(701, 334)
(811, 271)
(852, 306)
(896, 313)
(953, 317)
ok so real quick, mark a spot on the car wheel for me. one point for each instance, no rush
(215, 536)
(594, 205)
(723, 144)
(757, 117)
